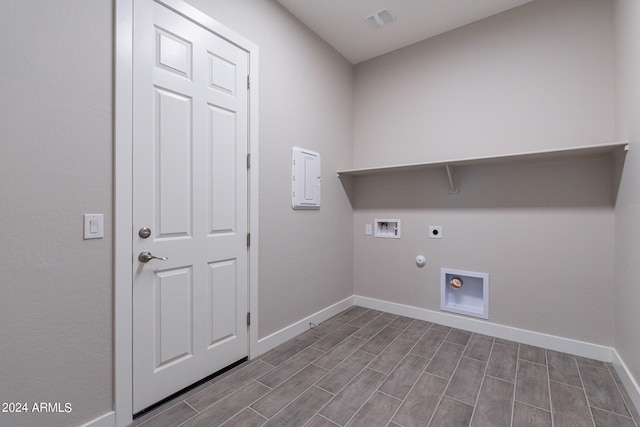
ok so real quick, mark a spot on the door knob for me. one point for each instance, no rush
(146, 256)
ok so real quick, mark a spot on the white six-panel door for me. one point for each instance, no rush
(190, 190)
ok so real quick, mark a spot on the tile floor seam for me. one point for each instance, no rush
(484, 375)
(396, 365)
(610, 412)
(437, 350)
(365, 351)
(418, 340)
(295, 373)
(265, 362)
(317, 414)
(300, 394)
(189, 405)
(226, 422)
(375, 370)
(404, 357)
(440, 376)
(535, 363)
(635, 422)
(546, 365)
(584, 391)
(324, 389)
(405, 398)
(312, 363)
(247, 406)
(408, 392)
(515, 385)
(253, 410)
(382, 351)
(432, 356)
(568, 385)
(285, 406)
(184, 423)
(453, 343)
(419, 376)
(159, 414)
(629, 409)
(387, 394)
(498, 378)
(402, 339)
(444, 391)
(361, 406)
(421, 335)
(401, 400)
(591, 367)
(367, 324)
(533, 406)
(458, 400)
(591, 414)
(228, 394)
(353, 320)
(355, 376)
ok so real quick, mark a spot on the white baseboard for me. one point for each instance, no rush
(106, 420)
(629, 383)
(275, 339)
(551, 342)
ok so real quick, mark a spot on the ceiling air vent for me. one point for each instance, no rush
(381, 18)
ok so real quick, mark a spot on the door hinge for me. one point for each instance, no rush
(248, 82)
(248, 319)
(248, 160)
(248, 239)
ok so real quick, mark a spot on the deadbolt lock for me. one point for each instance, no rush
(144, 232)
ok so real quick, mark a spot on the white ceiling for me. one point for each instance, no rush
(342, 22)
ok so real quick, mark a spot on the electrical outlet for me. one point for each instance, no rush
(435, 232)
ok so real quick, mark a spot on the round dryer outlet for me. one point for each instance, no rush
(435, 232)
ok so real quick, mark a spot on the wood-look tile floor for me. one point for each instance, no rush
(368, 368)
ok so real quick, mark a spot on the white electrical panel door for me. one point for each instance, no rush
(305, 180)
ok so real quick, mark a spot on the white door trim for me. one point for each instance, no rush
(123, 171)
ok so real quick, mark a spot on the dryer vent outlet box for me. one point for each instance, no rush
(305, 179)
(464, 292)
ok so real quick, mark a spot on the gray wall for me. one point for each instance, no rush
(55, 164)
(306, 261)
(628, 202)
(537, 77)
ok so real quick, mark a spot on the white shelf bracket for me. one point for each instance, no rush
(453, 187)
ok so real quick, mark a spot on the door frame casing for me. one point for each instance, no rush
(123, 192)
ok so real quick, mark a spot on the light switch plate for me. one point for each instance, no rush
(93, 226)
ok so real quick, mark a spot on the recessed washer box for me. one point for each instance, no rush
(464, 292)
(305, 179)
(389, 228)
